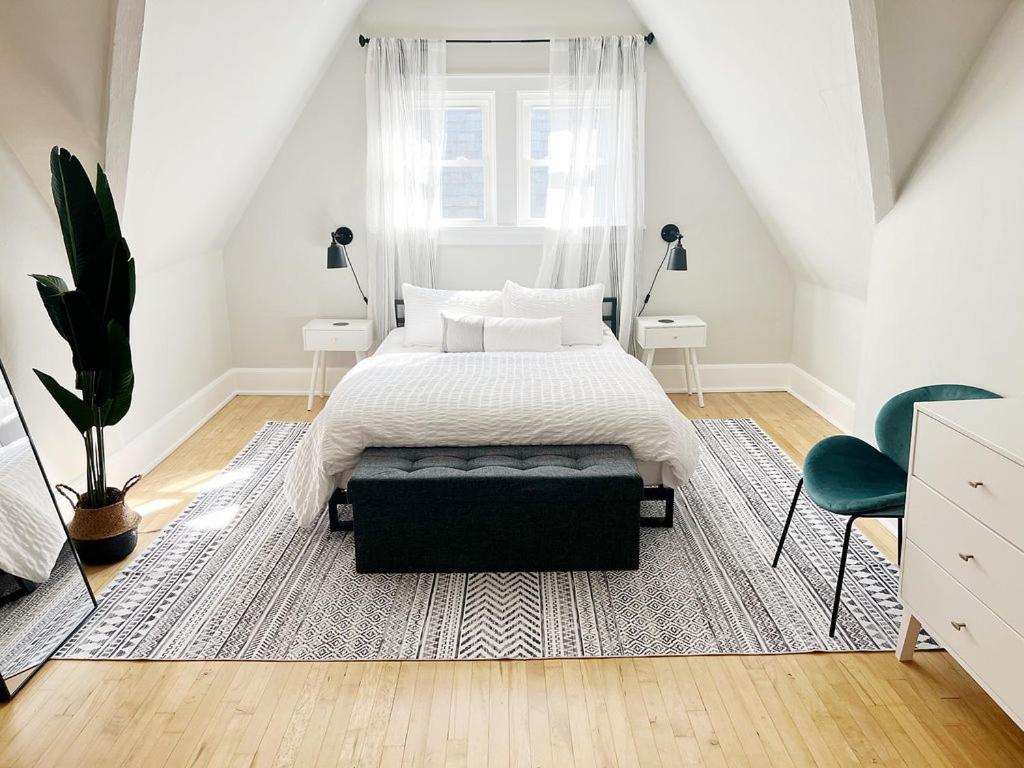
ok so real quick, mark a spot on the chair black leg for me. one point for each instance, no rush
(789, 519)
(899, 540)
(839, 581)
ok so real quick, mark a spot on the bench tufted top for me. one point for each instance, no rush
(495, 462)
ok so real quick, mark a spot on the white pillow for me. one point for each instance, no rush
(423, 307)
(579, 308)
(472, 333)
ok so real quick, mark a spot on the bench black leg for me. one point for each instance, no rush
(660, 493)
(338, 498)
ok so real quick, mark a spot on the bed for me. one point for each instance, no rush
(406, 396)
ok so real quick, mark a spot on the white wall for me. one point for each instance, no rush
(179, 328)
(945, 302)
(275, 258)
(828, 331)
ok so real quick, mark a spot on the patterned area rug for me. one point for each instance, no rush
(234, 578)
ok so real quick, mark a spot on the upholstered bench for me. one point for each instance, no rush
(515, 508)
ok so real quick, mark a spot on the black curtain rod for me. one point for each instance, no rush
(363, 40)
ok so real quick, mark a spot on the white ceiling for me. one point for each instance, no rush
(54, 58)
(218, 87)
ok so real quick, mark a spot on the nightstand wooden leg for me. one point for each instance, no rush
(323, 374)
(312, 380)
(910, 628)
(360, 356)
(649, 358)
(696, 377)
(686, 371)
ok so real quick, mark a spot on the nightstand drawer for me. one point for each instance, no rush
(974, 477)
(671, 336)
(336, 339)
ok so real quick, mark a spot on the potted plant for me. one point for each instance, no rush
(94, 319)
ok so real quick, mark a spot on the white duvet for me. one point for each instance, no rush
(31, 535)
(581, 395)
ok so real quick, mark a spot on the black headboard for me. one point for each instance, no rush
(609, 313)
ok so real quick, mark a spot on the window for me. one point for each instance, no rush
(467, 168)
(533, 157)
(494, 169)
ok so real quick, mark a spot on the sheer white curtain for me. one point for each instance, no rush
(595, 204)
(405, 82)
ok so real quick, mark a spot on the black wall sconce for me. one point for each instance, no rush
(337, 255)
(674, 259)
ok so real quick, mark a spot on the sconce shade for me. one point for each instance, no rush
(676, 259)
(336, 257)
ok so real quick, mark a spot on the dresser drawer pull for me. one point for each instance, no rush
(965, 558)
(958, 625)
(975, 483)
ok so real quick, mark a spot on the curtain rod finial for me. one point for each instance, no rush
(363, 40)
(649, 38)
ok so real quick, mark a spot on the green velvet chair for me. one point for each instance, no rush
(848, 476)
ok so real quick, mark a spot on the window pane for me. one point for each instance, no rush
(462, 193)
(463, 133)
(538, 191)
(540, 130)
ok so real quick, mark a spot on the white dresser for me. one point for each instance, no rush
(963, 562)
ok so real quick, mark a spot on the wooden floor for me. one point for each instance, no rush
(813, 709)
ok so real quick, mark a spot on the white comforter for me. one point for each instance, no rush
(582, 395)
(31, 535)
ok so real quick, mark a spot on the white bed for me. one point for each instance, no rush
(419, 397)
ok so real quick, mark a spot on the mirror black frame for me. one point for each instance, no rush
(5, 693)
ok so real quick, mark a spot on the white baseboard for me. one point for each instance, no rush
(751, 377)
(822, 399)
(766, 377)
(280, 381)
(148, 449)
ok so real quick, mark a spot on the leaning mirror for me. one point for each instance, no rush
(44, 594)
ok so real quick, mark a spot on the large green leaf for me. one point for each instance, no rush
(72, 314)
(75, 408)
(110, 283)
(122, 377)
(105, 199)
(81, 220)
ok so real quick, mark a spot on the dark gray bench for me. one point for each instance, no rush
(510, 508)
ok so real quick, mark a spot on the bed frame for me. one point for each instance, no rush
(661, 493)
(609, 313)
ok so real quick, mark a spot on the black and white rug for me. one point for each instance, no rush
(234, 578)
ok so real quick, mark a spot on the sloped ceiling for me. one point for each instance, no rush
(54, 57)
(777, 85)
(926, 48)
(218, 87)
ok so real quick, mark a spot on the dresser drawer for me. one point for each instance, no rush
(951, 462)
(669, 336)
(339, 340)
(975, 556)
(986, 645)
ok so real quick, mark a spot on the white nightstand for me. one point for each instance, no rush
(686, 332)
(323, 336)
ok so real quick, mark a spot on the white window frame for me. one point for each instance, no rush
(527, 101)
(484, 101)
